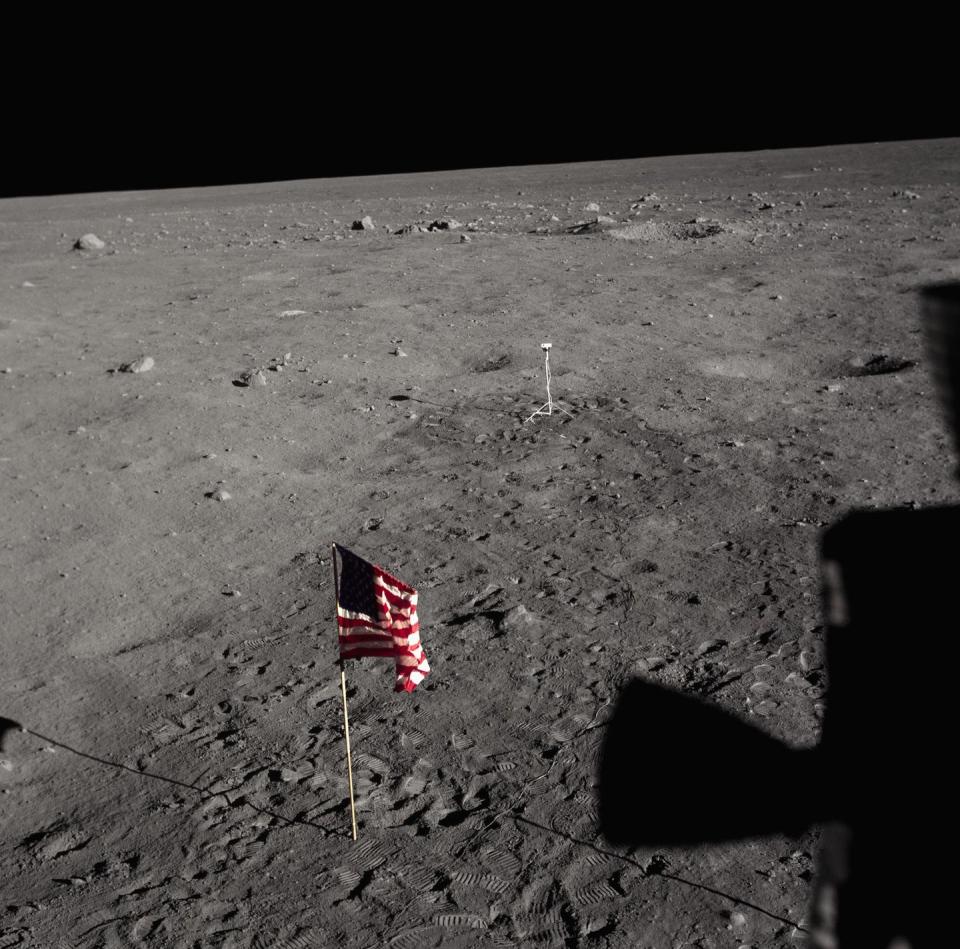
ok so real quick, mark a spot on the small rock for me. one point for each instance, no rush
(912, 195)
(219, 495)
(27, 283)
(89, 242)
(465, 238)
(293, 313)
(584, 227)
(738, 919)
(399, 352)
(252, 377)
(143, 364)
(364, 224)
(711, 645)
(592, 206)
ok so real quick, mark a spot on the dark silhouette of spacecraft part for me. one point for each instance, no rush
(881, 778)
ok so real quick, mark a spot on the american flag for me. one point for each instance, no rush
(377, 616)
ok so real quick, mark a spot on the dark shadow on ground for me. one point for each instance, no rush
(882, 774)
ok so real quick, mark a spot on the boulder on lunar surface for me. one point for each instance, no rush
(89, 242)
(141, 364)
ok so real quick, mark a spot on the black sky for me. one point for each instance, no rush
(138, 130)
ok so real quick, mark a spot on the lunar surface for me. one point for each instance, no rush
(201, 390)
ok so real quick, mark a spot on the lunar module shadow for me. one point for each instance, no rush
(880, 779)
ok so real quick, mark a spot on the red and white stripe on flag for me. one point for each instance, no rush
(377, 616)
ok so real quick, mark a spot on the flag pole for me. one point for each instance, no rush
(343, 692)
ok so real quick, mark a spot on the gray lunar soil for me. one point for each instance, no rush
(191, 413)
